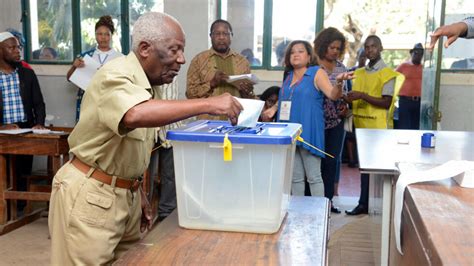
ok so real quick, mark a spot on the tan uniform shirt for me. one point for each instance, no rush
(99, 139)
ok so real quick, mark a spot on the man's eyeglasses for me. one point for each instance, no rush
(220, 34)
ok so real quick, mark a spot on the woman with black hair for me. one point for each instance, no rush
(270, 97)
(301, 101)
(102, 53)
(329, 47)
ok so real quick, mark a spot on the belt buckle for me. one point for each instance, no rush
(415, 98)
(136, 183)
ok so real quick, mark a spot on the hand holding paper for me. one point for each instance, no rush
(251, 112)
(82, 76)
(250, 77)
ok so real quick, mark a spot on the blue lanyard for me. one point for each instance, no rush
(102, 61)
(291, 88)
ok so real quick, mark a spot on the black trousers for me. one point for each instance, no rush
(408, 113)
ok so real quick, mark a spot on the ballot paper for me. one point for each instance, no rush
(249, 115)
(82, 76)
(415, 172)
(250, 77)
(15, 131)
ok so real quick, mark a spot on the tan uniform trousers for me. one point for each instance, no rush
(90, 223)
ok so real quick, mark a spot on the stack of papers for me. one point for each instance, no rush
(82, 76)
(250, 77)
(15, 131)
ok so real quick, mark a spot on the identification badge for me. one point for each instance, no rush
(285, 108)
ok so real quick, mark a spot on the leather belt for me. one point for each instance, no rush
(99, 175)
(411, 98)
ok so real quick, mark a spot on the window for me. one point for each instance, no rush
(263, 28)
(57, 30)
(50, 31)
(459, 55)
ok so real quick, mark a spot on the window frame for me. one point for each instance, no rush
(76, 31)
(267, 31)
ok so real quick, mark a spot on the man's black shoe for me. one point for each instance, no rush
(359, 209)
(335, 209)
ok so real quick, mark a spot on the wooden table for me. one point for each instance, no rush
(437, 225)
(53, 145)
(301, 240)
(379, 150)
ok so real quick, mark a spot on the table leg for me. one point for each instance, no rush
(3, 187)
(386, 218)
(380, 204)
(56, 164)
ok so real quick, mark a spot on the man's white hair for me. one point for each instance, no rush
(151, 27)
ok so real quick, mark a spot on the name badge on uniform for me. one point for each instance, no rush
(285, 108)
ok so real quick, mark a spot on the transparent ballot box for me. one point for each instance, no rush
(233, 178)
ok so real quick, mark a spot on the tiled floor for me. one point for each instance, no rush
(349, 182)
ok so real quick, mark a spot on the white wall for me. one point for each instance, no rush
(10, 15)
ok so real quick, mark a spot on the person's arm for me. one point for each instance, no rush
(155, 113)
(383, 102)
(269, 114)
(198, 85)
(470, 27)
(9, 126)
(321, 81)
(464, 29)
(39, 108)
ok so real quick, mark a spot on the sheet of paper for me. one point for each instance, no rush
(413, 173)
(15, 131)
(252, 110)
(82, 76)
(250, 77)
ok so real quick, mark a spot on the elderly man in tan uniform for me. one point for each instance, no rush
(97, 208)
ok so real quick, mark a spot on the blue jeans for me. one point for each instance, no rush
(330, 167)
(309, 165)
(408, 113)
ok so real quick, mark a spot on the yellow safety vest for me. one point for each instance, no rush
(367, 115)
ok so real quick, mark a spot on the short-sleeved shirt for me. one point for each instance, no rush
(389, 86)
(413, 75)
(99, 139)
(102, 57)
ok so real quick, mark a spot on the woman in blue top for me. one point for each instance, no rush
(301, 101)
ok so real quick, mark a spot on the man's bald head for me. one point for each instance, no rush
(154, 27)
(158, 43)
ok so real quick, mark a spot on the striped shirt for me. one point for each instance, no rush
(470, 27)
(13, 110)
(168, 92)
